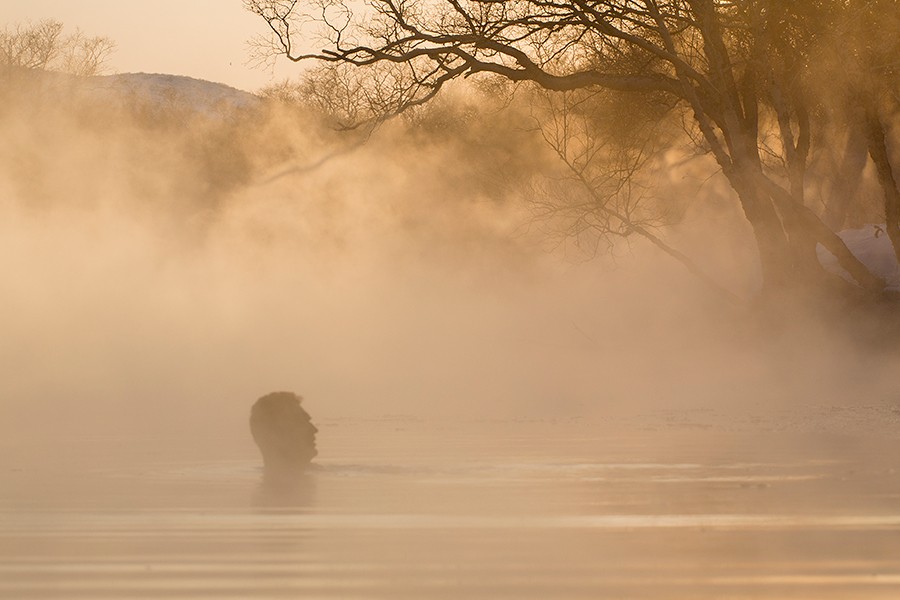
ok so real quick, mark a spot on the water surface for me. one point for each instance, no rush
(408, 508)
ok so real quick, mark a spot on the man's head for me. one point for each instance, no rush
(284, 433)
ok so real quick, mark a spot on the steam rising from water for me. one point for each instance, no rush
(155, 279)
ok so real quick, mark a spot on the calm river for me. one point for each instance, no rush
(407, 508)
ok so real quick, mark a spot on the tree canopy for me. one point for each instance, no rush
(748, 78)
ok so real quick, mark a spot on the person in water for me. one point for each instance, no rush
(284, 433)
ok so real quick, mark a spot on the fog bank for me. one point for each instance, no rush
(163, 267)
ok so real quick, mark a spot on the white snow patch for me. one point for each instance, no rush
(872, 246)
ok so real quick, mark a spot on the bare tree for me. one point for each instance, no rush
(85, 56)
(43, 46)
(725, 64)
(605, 193)
(33, 46)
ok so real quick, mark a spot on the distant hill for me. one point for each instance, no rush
(174, 90)
(145, 89)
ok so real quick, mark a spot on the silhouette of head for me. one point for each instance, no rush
(284, 433)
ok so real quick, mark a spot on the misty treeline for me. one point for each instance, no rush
(76, 138)
(793, 104)
(182, 153)
(81, 143)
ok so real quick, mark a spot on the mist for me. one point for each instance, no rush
(165, 265)
(518, 378)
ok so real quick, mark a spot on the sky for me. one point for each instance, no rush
(206, 39)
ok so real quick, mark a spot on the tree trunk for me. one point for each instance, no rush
(803, 244)
(787, 237)
(771, 241)
(878, 151)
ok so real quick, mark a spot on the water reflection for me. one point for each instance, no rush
(294, 490)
